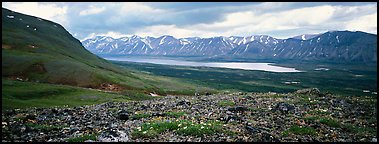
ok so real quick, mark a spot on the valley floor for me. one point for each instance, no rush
(304, 115)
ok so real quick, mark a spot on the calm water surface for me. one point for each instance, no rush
(231, 65)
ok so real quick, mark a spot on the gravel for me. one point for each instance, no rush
(254, 117)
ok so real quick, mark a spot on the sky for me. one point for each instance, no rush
(203, 19)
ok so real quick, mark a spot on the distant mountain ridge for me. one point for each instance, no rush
(334, 45)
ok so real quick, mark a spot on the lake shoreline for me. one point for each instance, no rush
(231, 65)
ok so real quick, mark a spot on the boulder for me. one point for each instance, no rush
(113, 136)
(123, 115)
(284, 107)
(184, 102)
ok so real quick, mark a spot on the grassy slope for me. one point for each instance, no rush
(51, 55)
(57, 57)
(16, 94)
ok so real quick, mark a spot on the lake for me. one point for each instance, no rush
(231, 65)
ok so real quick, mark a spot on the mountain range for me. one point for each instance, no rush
(341, 46)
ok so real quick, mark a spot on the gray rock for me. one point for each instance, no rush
(113, 136)
(238, 109)
(312, 91)
(284, 107)
(158, 114)
(123, 116)
(184, 102)
(252, 129)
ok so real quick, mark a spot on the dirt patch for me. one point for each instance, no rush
(38, 68)
(19, 78)
(4, 46)
(110, 87)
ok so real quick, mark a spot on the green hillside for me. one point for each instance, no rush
(38, 50)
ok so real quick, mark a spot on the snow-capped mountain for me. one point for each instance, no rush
(337, 46)
(332, 45)
(306, 36)
(169, 45)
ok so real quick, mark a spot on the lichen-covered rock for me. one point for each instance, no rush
(284, 107)
(312, 91)
(113, 136)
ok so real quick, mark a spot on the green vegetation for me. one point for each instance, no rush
(175, 114)
(16, 94)
(149, 130)
(312, 118)
(182, 127)
(318, 112)
(200, 130)
(50, 55)
(327, 121)
(330, 122)
(226, 103)
(82, 138)
(300, 131)
(359, 130)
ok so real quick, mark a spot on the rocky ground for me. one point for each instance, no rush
(302, 116)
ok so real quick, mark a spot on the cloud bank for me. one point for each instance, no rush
(194, 19)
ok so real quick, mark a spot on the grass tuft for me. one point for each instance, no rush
(82, 138)
(298, 130)
(226, 103)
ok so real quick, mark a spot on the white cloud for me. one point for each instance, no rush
(43, 10)
(92, 10)
(133, 11)
(114, 34)
(138, 8)
(367, 23)
(247, 23)
(173, 30)
(109, 33)
(309, 20)
(114, 19)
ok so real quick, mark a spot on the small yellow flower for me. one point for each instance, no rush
(185, 128)
(202, 127)
(144, 132)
